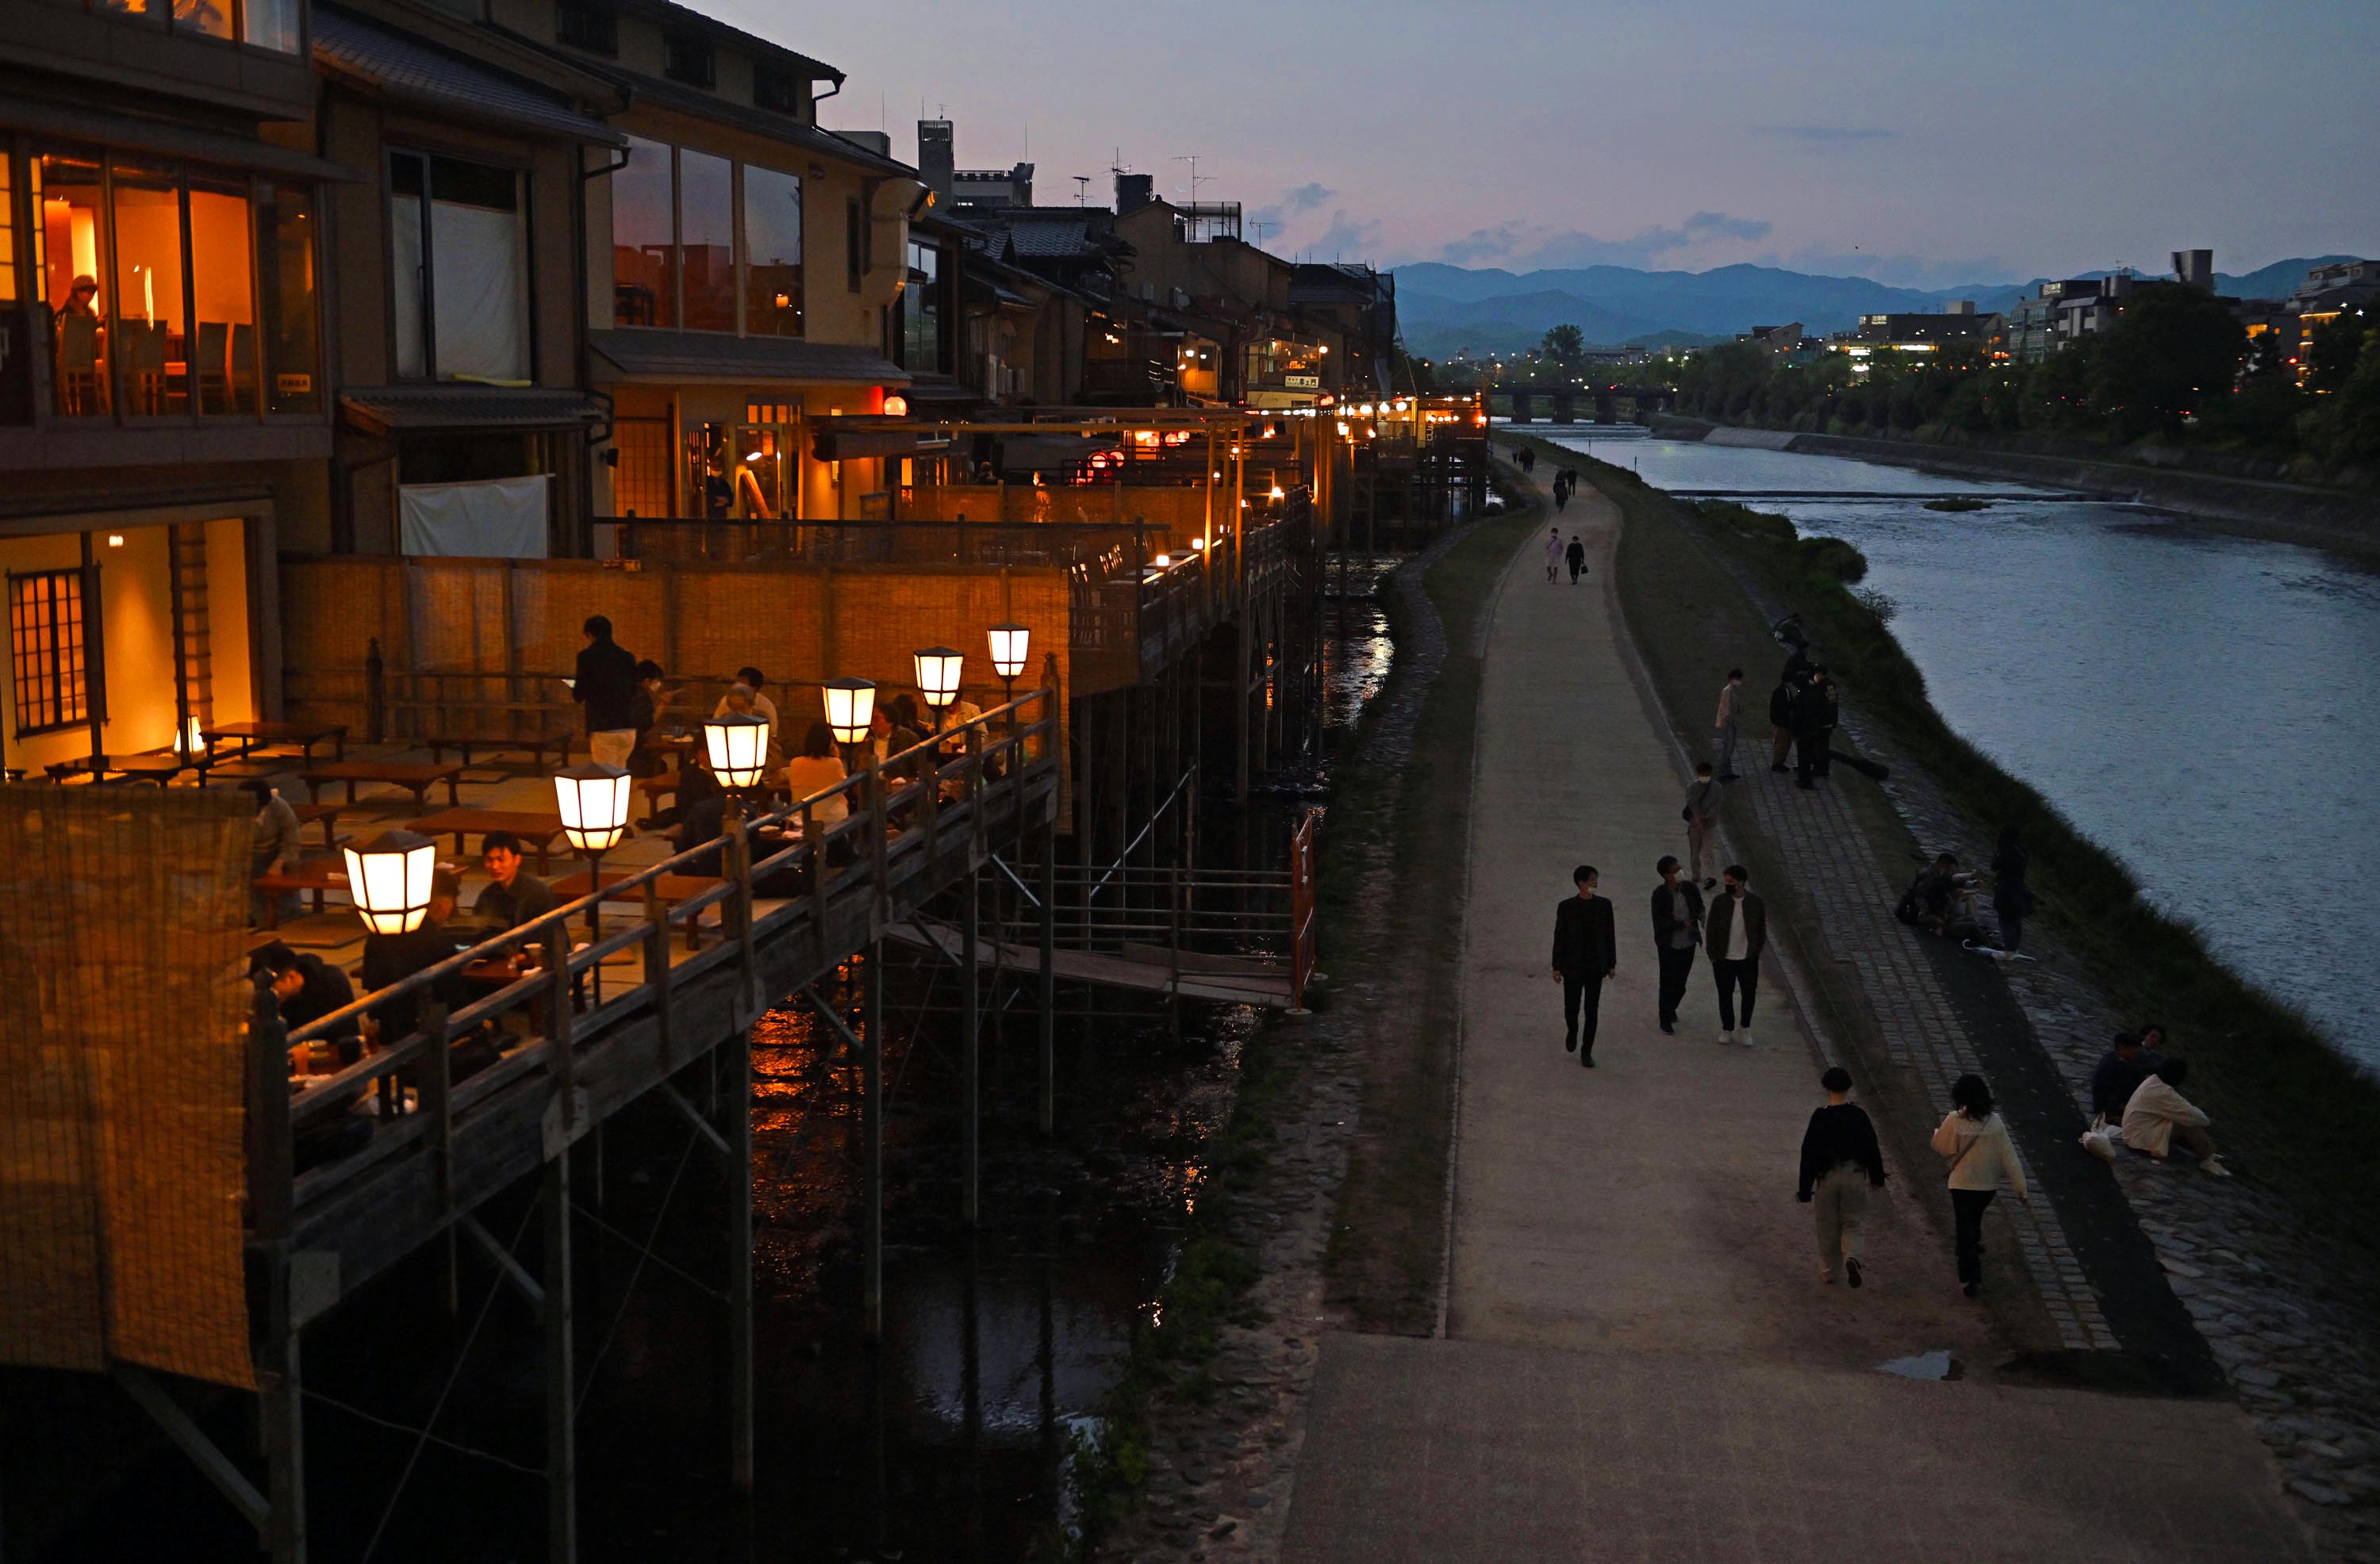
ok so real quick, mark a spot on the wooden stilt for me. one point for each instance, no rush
(971, 1051)
(1048, 1018)
(871, 1131)
(561, 1371)
(738, 1161)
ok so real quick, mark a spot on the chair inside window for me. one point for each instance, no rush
(140, 354)
(82, 388)
(243, 368)
(211, 367)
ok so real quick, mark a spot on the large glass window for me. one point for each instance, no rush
(644, 272)
(772, 252)
(270, 24)
(267, 24)
(292, 346)
(921, 311)
(146, 318)
(707, 239)
(460, 270)
(222, 345)
(211, 18)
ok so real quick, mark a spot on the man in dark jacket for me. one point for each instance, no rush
(1815, 713)
(1677, 929)
(389, 959)
(2122, 1069)
(1736, 931)
(1781, 724)
(308, 989)
(1585, 952)
(606, 685)
(1577, 556)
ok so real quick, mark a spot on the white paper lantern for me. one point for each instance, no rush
(389, 879)
(1009, 643)
(737, 745)
(850, 707)
(937, 674)
(594, 803)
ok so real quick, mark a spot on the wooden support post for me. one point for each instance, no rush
(871, 1133)
(271, 1172)
(971, 1049)
(740, 1349)
(1048, 1019)
(561, 1371)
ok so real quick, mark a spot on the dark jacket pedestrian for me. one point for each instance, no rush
(1840, 1162)
(1735, 932)
(2120, 1072)
(1576, 555)
(1781, 724)
(2011, 898)
(1815, 716)
(1677, 932)
(307, 988)
(1585, 952)
(606, 687)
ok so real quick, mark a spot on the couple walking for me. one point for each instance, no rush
(1556, 556)
(1586, 951)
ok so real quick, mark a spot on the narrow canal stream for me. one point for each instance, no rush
(2197, 703)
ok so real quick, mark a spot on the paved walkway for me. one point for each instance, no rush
(1641, 1361)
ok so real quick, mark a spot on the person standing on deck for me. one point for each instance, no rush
(1585, 953)
(606, 685)
(1677, 929)
(1724, 726)
(1840, 1162)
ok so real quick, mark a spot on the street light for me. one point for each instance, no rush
(593, 799)
(1010, 642)
(389, 879)
(850, 709)
(737, 743)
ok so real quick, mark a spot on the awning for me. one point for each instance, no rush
(165, 137)
(843, 443)
(412, 409)
(396, 67)
(679, 357)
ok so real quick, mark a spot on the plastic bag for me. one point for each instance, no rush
(2101, 1139)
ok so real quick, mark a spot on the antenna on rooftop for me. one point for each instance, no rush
(1259, 224)
(1082, 190)
(1192, 159)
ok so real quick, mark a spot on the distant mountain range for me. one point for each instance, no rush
(1445, 309)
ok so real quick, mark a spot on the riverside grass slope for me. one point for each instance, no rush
(2303, 1118)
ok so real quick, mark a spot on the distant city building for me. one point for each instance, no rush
(1957, 321)
(1778, 340)
(2194, 268)
(2059, 314)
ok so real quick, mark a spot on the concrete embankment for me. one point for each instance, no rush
(2330, 518)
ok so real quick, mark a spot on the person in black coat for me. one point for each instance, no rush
(1840, 1163)
(606, 685)
(1780, 722)
(1576, 555)
(1677, 932)
(1816, 713)
(1585, 952)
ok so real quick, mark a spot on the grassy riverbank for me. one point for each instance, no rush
(2303, 1116)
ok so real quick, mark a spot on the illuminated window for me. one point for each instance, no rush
(772, 252)
(46, 614)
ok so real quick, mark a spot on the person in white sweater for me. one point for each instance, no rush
(1975, 1140)
(2158, 1114)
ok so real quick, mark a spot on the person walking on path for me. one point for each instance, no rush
(1677, 929)
(1585, 953)
(2158, 1115)
(1840, 1162)
(2011, 898)
(1814, 715)
(1724, 726)
(1576, 555)
(1781, 723)
(606, 685)
(1975, 1140)
(1561, 498)
(1553, 553)
(1735, 932)
(1701, 815)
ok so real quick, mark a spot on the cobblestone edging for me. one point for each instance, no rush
(1221, 1468)
(2292, 1319)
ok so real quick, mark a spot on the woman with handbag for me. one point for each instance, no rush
(1976, 1141)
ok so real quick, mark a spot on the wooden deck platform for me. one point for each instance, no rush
(1147, 970)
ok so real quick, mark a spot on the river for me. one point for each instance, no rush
(2190, 700)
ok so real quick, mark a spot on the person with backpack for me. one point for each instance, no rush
(1975, 1140)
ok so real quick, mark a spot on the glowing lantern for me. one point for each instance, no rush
(389, 878)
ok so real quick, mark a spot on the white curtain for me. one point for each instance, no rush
(482, 303)
(502, 519)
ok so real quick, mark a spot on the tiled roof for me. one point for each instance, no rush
(401, 68)
(715, 355)
(411, 407)
(1061, 240)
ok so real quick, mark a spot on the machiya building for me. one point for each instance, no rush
(164, 412)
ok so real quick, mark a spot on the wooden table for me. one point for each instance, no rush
(252, 735)
(160, 767)
(311, 875)
(537, 828)
(416, 777)
(327, 813)
(533, 744)
(671, 888)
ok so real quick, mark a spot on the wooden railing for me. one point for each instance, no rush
(847, 868)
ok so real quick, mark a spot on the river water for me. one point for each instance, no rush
(2194, 701)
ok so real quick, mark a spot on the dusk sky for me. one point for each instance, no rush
(1919, 143)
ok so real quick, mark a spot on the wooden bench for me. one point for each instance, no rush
(327, 813)
(250, 736)
(416, 777)
(309, 876)
(533, 744)
(536, 830)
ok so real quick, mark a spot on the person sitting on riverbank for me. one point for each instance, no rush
(2121, 1070)
(2158, 1115)
(1932, 897)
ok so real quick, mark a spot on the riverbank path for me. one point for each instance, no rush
(1639, 1359)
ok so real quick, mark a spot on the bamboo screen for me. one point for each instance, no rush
(122, 1166)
